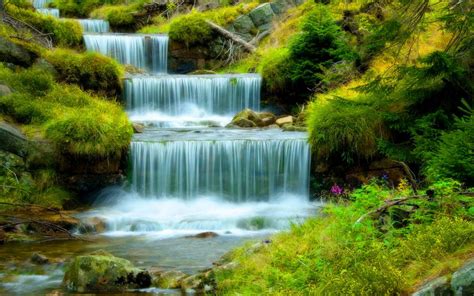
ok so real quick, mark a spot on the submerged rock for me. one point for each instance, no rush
(103, 272)
(207, 234)
(39, 259)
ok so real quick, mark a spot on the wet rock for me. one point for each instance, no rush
(438, 286)
(207, 234)
(4, 90)
(293, 128)
(169, 279)
(93, 225)
(12, 140)
(462, 281)
(262, 14)
(138, 128)
(39, 259)
(103, 272)
(284, 120)
(193, 282)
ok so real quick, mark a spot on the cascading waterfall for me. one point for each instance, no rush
(94, 26)
(49, 11)
(41, 3)
(239, 167)
(148, 52)
(172, 94)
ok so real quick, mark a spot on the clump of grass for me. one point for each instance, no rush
(92, 71)
(334, 255)
(77, 122)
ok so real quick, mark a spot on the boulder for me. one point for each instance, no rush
(169, 279)
(138, 128)
(39, 259)
(4, 90)
(243, 25)
(262, 14)
(245, 118)
(280, 6)
(93, 225)
(462, 281)
(438, 286)
(12, 140)
(103, 272)
(284, 120)
(267, 118)
(207, 234)
(13, 53)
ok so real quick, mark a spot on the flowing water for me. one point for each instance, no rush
(41, 3)
(94, 26)
(187, 174)
(149, 52)
(49, 11)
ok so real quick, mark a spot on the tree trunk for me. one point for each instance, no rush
(229, 35)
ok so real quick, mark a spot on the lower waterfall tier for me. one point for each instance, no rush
(233, 165)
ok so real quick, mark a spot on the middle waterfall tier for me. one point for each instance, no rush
(174, 94)
(234, 165)
(149, 52)
(94, 26)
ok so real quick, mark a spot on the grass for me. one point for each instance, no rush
(333, 255)
(77, 122)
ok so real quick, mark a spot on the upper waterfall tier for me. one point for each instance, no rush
(235, 165)
(41, 3)
(94, 26)
(149, 52)
(174, 94)
(48, 11)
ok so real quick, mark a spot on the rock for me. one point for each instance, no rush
(245, 118)
(280, 6)
(262, 14)
(4, 90)
(242, 122)
(169, 279)
(103, 272)
(284, 120)
(243, 24)
(12, 140)
(292, 128)
(13, 53)
(273, 126)
(207, 234)
(93, 225)
(39, 259)
(438, 286)
(203, 72)
(138, 128)
(266, 118)
(193, 282)
(462, 281)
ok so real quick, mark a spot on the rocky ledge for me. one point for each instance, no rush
(248, 118)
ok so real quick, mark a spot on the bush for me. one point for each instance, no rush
(91, 71)
(190, 28)
(334, 255)
(320, 45)
(119, 16)
(274, 68)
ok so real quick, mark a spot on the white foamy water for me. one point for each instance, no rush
(128, 214)
(49, 11)
(30, 284)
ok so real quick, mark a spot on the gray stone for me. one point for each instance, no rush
(265, 27)
(262, 14)
(436, 287)
(15, 54)
(462, 281)
(4, 90)
(12, 140)
(138, 128)
(243, 24)
(280, 6)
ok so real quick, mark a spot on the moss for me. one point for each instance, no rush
(119, 16)
(63, 32)
(91, 71)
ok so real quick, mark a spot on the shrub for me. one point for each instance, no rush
(119, 16)
(274, 68)
(190, 28)
(92, 71)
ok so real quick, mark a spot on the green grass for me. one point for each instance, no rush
(91, 71)
(334, 255)
(77, 122)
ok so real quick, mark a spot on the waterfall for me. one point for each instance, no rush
(148, 52)
(94, 26)
(172, 94)
(41, 3)
(236, 167)
(49, 11)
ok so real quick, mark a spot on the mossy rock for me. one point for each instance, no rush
(261, 15)
(15, 54)
(243, 24)
(103, 272)
(169, 279)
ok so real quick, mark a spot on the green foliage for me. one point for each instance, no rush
(77, 122)
(190, 28)
(63, 32)
(274, 68)
(334, 255)
(81, 8)
(91, 71)
(319, 45)
(119, 16)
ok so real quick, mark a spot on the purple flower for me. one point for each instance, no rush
(336, 189)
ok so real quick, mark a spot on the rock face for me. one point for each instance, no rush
(102, 272)
(461, 284)
(15, 54)
(262, 15)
